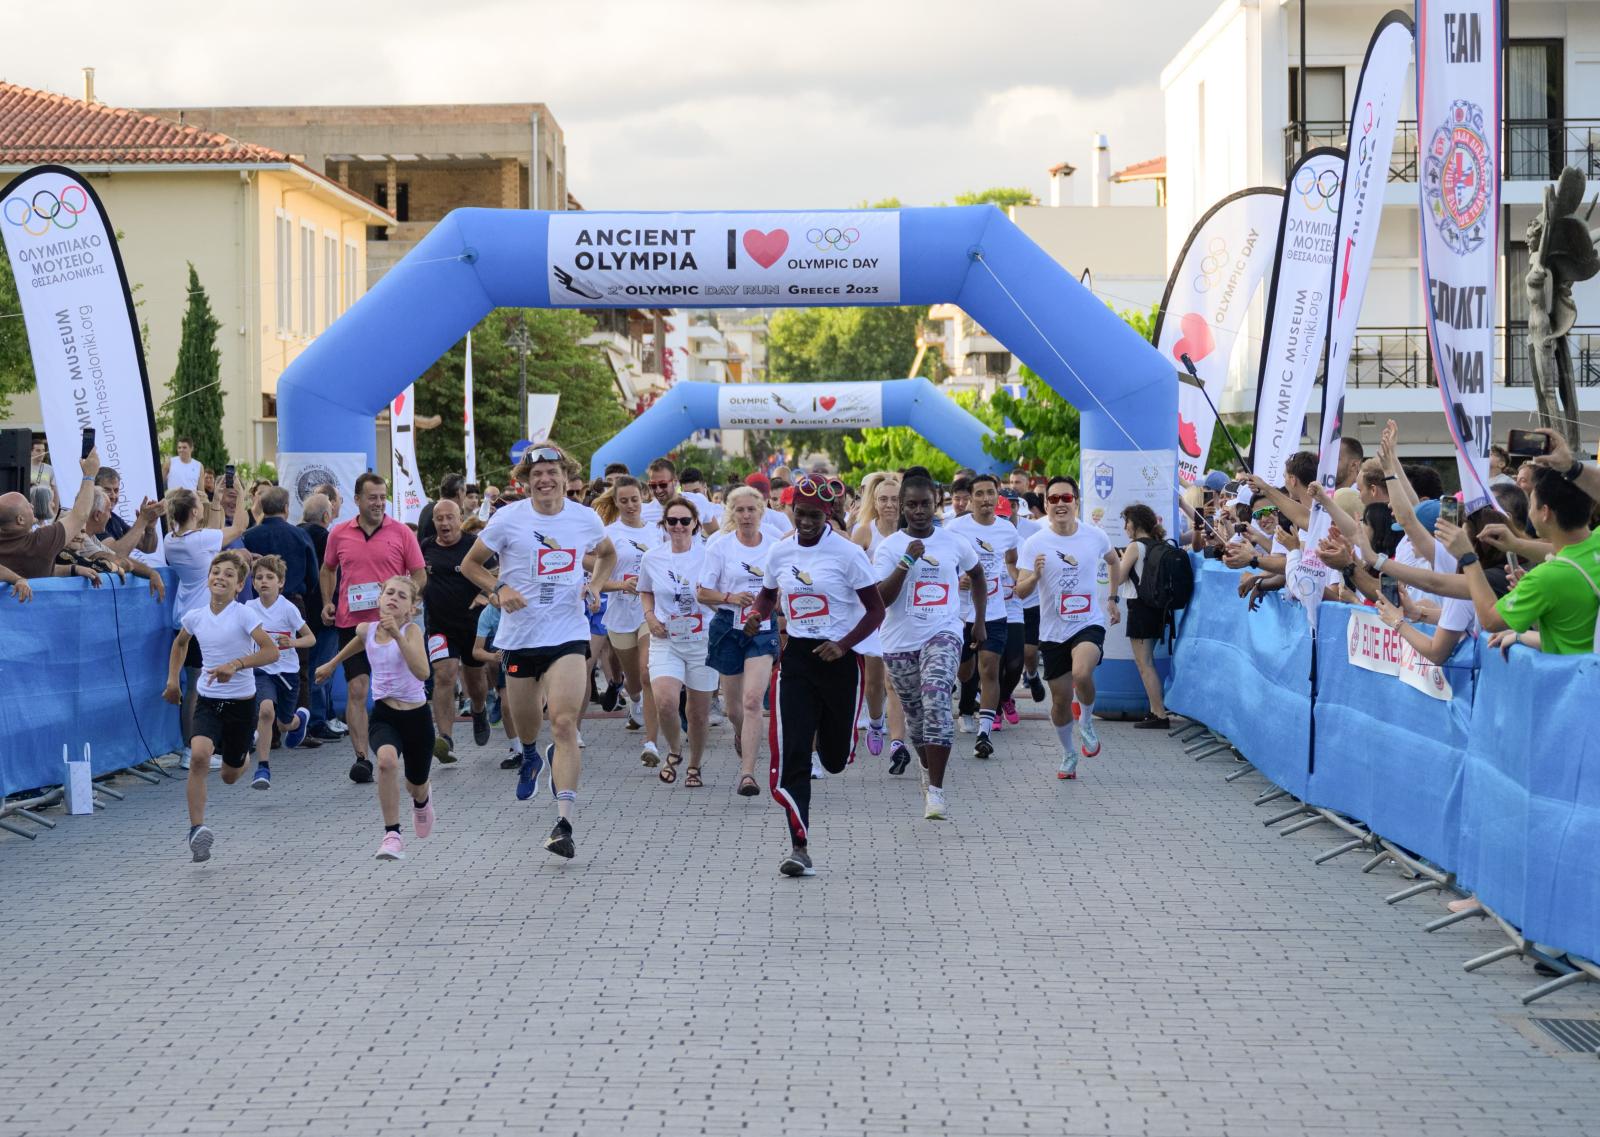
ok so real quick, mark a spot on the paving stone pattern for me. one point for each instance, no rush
(1131, 953)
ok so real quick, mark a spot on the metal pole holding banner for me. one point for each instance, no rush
(1188, 365)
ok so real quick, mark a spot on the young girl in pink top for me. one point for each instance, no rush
(401, 728)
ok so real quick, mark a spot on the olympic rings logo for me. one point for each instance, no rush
(836, 239)
(1318, 190)
(37, 214)
(1211, 265)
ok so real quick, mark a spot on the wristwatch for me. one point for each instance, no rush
(1469, 559)
(1255, 562)
(1377, 565)
(1573, 471)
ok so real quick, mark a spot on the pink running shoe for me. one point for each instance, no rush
(422, 819)
(999, 725)
(875, 736)
(392, 849)
(1009, 707)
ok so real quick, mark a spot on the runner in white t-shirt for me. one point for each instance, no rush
(920, 570)
(669, 577)
(730, 577)
(1063, 563)
(662, 481)
(624, 617)
(278, 683)
(545, 601)
(880, 517)
(1027, 527)
(232, 643)
(830, 598)
(996, 542)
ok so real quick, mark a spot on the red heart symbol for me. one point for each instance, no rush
(827, 402)
(1188, 438)
(777, 422)
(765, 248)
(399, 402)
(1196, 341)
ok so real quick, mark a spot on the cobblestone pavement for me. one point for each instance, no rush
(1131, 953)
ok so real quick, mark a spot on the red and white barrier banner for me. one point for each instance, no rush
(1297, 310)
(1379, 102)
(1458, 136)
(1374, 646)
(1207, 300)
(87, 359)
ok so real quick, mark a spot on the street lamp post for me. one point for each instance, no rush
(519, 341)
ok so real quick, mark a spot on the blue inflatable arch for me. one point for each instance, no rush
(475, 260)
(688, 407)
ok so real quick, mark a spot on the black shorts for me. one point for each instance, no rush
(279, 690)
(409, 732)
(357, 665)
(458, 641)
(1030, 626)
(994, 638)
(230, 724)
(1145, 622)
(533, 662)
(1057, 657)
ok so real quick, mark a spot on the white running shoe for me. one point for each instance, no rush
(216, 761)
(1068, 770)
(581, 742)
(817, 772)
(715, 717)
(183, 759)
(935, 810)
(1088, 740)
(967, 723)
(649, 755)
(635, 716)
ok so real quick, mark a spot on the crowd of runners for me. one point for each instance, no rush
(808, 614)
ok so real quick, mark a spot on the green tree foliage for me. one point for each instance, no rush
(197, 380)
(16, 361)
(1222, 456)
(588, 416)
(896, 447)
(998, 195)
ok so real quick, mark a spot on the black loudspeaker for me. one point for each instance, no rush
(16, 459)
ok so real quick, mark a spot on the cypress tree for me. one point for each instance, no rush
(196, 383)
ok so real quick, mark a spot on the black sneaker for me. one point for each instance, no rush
(324, 732)
(612, 696)
(511, 762)
(361, 771)
(560, 840)
(1153, 722)
(983, 748)
(797, 863)
(1036, 687)
(899, 758)
(480, 727)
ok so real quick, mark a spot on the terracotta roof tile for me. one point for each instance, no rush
(1154, 168)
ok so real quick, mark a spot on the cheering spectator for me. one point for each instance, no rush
(40, 472)
(28, 552)
(274, 536)
(181, 471)
(315, 516)
(1499, 467)
(115, 531)
(42, 499)
(1351, 458)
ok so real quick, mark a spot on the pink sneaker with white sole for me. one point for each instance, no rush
(422, 819)
(392, 849)
(875, 737)
(1009, 707)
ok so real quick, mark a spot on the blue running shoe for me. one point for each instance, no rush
(494, 708)
(528, 775)
(263, 779)
(296, 734)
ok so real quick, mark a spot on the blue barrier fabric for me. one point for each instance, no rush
(1246, 674)
(1387, 753)
(1530, 819)
(82, 664)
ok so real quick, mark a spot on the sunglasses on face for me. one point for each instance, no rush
(1060, 498)
(660, 485)
(1260, 513)
(826, 489)
(574, 494)
(685, 521)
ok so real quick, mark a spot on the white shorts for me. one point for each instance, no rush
(685, 662)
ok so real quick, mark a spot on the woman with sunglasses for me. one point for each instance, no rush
(919, 571)
(545, 602)
(832, 605)
(1064, 561)
(1145, 623)
(879, 518)
(731, 575)
(669, 576)
(619, 507)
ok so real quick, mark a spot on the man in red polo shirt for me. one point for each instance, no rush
(362, 553)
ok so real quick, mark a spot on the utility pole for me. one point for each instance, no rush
(520, 342)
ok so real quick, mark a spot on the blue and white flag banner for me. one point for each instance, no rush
(1458, 135)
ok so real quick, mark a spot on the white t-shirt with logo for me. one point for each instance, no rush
(224, 636)
(541, 556)
(282, 619)
(671, 578)
(1071, 592)
(930, 599)
(992, 541)
(817, 588)
(1027, 527)
(710, 512)
(732, 566)
(624, 611)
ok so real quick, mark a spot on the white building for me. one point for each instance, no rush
(1232, 102)
(720, 345)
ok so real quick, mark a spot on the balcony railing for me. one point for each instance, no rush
(1534, 149)
(1398, 357)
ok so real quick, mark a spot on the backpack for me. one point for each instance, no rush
(1166, 582)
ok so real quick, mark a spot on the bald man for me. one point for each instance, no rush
(29, 552)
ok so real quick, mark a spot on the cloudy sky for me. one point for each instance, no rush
(686, 103)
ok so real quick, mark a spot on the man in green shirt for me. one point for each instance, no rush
(1560, 596)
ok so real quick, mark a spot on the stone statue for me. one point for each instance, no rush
(1561, 251)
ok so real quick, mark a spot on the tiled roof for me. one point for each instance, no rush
(39, 126)
(1139, 171)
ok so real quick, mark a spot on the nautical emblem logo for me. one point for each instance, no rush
(1457, 178)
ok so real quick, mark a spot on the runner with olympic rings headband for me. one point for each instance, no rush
(831, 599)
(544, 628)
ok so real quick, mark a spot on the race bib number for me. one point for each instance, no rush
(438, 648)
(363, 597)
(993, 584)
(805, 607)
(928, 595)
(631, 578)
(683, 627)
(554, 562)
(745, 612)
(1074, 605)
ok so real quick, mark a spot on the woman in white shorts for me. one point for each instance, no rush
(876, 520)
(679, 626)
(619, 507)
